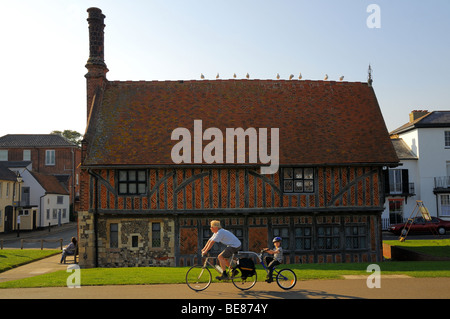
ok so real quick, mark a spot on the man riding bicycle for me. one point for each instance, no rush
(225, 237)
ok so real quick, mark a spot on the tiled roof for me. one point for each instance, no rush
(6, 174)
(320, 122)
(431, 120)
(50, 183)
(33, 140)
(404, 152)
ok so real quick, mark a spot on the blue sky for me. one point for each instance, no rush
(44, 47)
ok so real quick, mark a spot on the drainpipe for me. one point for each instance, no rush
(95, 215)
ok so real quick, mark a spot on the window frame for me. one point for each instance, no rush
(447, 139)
(306, 178)
(129, 182)
(50, 157)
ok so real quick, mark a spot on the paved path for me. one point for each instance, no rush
(392, 287)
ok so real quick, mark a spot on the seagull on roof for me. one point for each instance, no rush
(202, 76)
(326, 77)
(291, 76)
(300, 76)
(247, 76)
(278, 76)
(217, 76)
(234, 75)
(341, 78)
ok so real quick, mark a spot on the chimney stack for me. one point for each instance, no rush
(416, 114)
(96, 76)
(96, 37)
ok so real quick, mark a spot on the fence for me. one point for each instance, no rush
(23, 241)
(386, 222)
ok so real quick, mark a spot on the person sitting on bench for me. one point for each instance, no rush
(69, 250)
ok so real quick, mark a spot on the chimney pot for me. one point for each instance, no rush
(96, 37)
(416, 114)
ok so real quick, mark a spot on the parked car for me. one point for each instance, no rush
(420, 225)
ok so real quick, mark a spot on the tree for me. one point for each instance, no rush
(72, 136)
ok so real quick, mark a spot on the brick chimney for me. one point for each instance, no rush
(96, 76)
(414, 115)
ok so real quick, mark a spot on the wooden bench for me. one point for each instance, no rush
(74, 256)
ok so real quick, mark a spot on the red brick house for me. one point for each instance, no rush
(49, 154)
(139, 208)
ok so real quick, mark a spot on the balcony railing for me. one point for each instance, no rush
(442, 182)
(397, 189)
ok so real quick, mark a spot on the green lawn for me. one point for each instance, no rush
(169, 275)
(433, 247)
(10, 258)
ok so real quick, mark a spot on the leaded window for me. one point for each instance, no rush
(132, 182)
(298, 180)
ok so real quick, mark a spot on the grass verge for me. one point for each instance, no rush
(10, 258)
(172, 275)
(432, 247)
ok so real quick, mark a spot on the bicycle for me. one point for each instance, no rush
(285, 278)
(199, 277)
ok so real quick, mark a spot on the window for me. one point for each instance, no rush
(27, 155)
(48, 213)
(328, 237)
(132, 182)
(60, 200)
(447, 139)
(55, 213)
(444, 209)
(282, 232)
(396, 211)
(156, 234)
(395, 181)
(50, 157)
(217, 247)
(134, 241)
(355, 237)
(298, 180)
(303, 237)
(114, 236)
(24, 212)
(3, 155)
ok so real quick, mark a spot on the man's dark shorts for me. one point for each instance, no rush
(229, 251)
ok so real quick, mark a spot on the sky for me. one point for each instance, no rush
(44, 49)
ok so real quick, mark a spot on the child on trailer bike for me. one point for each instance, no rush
(226, 237)
(277, 258)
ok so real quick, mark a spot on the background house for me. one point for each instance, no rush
(8, 192)
(49, 154)
(43, 200)
(423, 146)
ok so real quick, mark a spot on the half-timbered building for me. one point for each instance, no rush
(140, 208)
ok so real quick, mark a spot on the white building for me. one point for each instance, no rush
(423, 147)
(44, 201)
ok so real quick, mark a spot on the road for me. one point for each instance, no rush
(66, 232)
(355, 288)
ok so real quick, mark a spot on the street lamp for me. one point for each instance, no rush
(19, 180)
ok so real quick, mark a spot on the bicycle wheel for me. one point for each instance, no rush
(286, 279)
(198, 278)
(244, 283)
